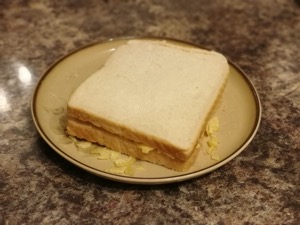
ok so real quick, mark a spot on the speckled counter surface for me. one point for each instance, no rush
(260, 186)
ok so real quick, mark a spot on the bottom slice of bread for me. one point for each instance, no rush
(95, 134)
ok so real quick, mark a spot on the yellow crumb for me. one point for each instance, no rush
(104, 155)
(213, 141)
(83, 144)
(212, 126)
(145, 149)
(124, 161)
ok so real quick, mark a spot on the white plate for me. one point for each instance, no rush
(239, 113)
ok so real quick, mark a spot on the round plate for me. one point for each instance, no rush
(238, 111)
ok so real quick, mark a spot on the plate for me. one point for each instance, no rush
(239, 114)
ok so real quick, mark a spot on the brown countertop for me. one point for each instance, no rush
(260, 186)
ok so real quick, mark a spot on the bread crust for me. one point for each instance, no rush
(87, 131)
(123, 131)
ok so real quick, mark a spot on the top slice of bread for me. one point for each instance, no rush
(154, 93)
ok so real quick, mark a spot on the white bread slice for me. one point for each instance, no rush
(154, 93)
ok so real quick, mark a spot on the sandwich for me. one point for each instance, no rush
(150, 100)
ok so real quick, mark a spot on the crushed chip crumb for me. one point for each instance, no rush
(83, 144)
(212, 127)
(73, 138)
(124, 162)
(104, 156)
(213, 141)
(145, 149)
(129, 170)
(114, 155)
(215, 156)
(123, 165)
(116, 170)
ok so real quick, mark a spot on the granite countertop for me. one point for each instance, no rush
(260, 186)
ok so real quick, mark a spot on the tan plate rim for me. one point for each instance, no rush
(142, 180)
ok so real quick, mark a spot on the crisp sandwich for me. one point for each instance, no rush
(150, 100)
